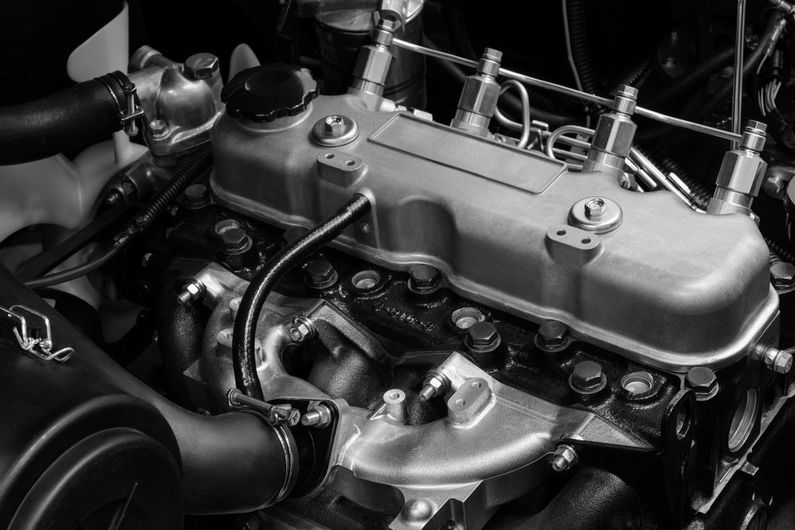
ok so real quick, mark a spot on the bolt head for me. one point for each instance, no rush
(201, 66)
(158, 127)
(701, 379)
(334, 125)
(483, 335)
(424, 277)
(320, 274)
(235, 240)
(195, 196)
(552, 334)
(588, 376)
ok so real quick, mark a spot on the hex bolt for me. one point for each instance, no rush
(435, 384)
(201, 66)
(319, 417)
(195, 196)
(565, 458)
(158, 127)
(782, 274)
(552, 335)
(235, 241)
(192, 292)
(301, 329)
(702, 381)
(777, 360)
(482, 337)
(320, 274)
(587, 377)
(334, 126)
(594, 207)
(424, 279)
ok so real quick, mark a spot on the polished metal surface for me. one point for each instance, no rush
(489, 217)
(561, 89)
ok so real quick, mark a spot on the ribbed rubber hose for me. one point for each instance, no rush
(76, 116)
(243, 342)
(231, 463)
(189, 170)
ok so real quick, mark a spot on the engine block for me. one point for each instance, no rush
(639, 274)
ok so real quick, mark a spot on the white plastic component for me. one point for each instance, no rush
(242, 57)
(105, 51)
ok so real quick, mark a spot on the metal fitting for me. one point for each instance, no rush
(479, 97)
(741, 174)
(319, 417)
(395, 402)
(335, 130)
(702, 381)
(192, 292)
(779, 361)
(552, 335)
(587, 378)
(159, 128)
(373, 62)
(435, 384)
(614, 134)
(564, 458)
(195, 197)
(482, 337)
(320, 274)
(235, 241)
(594, 207)
(201, 66)
(301, 329)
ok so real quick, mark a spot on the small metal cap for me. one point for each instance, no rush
(565, 458)
(320, 274)
(201, 66)
(490, 62)
(483, 337)
(587, 378)
(702, 381)
(626, 100)
(754, 136)
(424, 279)
(552, 335)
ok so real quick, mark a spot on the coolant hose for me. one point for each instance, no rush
(243, 341)
(73, 117)
(231, 463)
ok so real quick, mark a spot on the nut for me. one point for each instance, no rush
(552, 334)
(158, 127)
(483, 337)
(201, 66)
(594, 207)
(192, 292)
(565, 458)
(588, 377)
(435, 384)
(320, 274)
(334, 125)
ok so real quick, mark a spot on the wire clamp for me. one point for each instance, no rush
(34, 334)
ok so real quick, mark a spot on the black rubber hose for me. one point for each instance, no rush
(189, 170)
(245, 363)
(580, 47)
(784, 251)
(73, 117)
(232, 463)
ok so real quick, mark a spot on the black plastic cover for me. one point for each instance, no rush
(265, 93)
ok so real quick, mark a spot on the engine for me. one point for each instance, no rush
(356, 301)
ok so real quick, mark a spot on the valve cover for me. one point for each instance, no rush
(637, 273)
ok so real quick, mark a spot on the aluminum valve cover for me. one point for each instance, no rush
(650, 278)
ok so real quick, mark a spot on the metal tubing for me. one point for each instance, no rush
(737, 87)
(573, 92)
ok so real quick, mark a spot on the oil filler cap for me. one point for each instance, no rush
(266, 93)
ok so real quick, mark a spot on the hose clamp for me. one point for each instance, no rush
(129, 109)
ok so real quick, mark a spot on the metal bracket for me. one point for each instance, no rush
(34, 334)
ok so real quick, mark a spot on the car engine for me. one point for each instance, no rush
(400, 264)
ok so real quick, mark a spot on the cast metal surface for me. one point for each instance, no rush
(495, 221)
